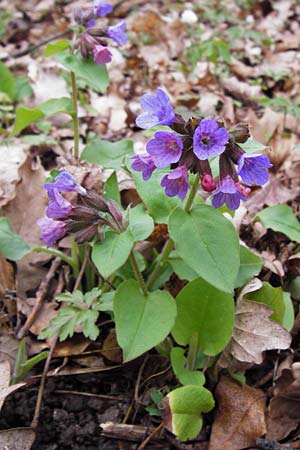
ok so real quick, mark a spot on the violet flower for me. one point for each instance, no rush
(65, 182)
(52, 230)
(176, 182)
(117, 33)
(102, 55)
(157, 110)
(102, 7)
(165, 148)
(58, 207)
(228, 192)
(209, 139)
(253, 169)
(143, 163)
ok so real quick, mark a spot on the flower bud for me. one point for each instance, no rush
(86, 234)
(95, 200)
(179, 124)
(240, 132)
(84, 213)
(115, 212)
(208, 183)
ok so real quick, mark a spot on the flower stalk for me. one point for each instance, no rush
(170, 243)
(75, 114)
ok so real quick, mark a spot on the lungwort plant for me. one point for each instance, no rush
(189, 170)
(192, 171)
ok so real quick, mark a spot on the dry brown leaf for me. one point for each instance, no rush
(7, 276)
(253, 333)
(273, 193)
(74, 346)
(5, 388)
(111, 349)
(42, 320)
(12, 157)
(23, 211)
(9, 347)
(240, 418)
(7, 286)
(284, 411)
(241, 90)
(17, 439)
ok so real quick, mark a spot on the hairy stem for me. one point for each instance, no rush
(75, 114)
(170, 243)
(138, 274)
(75, 259)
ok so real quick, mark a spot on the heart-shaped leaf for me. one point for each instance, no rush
(186, 405)
(112, 253)
(142, 322)
(208, 243)
(206, 311)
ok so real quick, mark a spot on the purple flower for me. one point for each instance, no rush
(157, 110)
(65, 182)
(230, 193)
(253, 169)
(52, 230)
(176, 182)
(90, 23)
(102, 7)
(143, 163)
(165, 148)
(102, 54)
(209, 140)
(117, 33)
(58, 207)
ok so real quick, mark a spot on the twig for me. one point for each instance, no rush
(35, 420)
(40, 298)
(266, 444)
(151, 435)
(32, 48)
(133, 433)
(88, 394)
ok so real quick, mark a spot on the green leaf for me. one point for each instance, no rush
(281, 218)
(186, 405)
(141, 224)
(12, 246)
(142, 322)
(153, 195)
(206, 310)
(87, 319)
(93, 73)
(7, 81)
(57, 47)
(181, 268)
(251, 265)
(272, 297)
(252, 146)
(24, 117)
(184, 375)
(56, 105)
(289, 314)
(107, 154)
(23, 88)
(110, 254)
(208, 243)
(111, 189)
